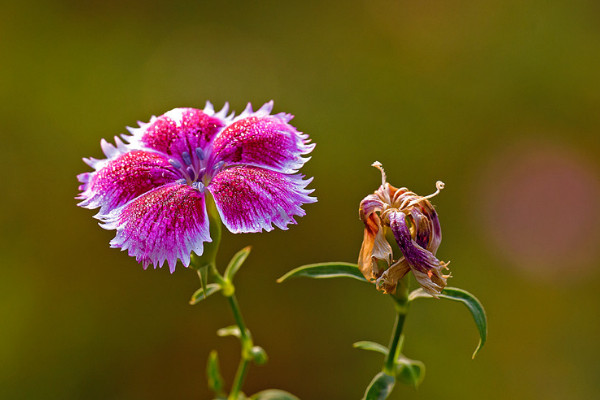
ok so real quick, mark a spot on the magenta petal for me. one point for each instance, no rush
(264, 141)
(166, 223)
(251, 199)
(124, 178)
(177, 131)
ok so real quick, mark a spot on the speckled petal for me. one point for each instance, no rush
(177, 131)
(250, 199)
(167, 223)
(123, 178)
(263, 140)
(425, 266)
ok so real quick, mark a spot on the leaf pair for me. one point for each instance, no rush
(409, 372)
(232, 268)
(348, 270)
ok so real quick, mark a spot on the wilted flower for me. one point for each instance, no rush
(152, 188)
(416, 228)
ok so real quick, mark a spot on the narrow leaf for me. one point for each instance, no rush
(472, 303)
(232, 330)
(380, 387)
(203, 293)
(372, 346)
(325, 270)
(236, 262)
(213, 374)
(410, 372)
(203, 274)
(273, 394)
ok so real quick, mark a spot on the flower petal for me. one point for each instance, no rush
(425, 266)
(109, 150)
(177, 131)
(388, 281)
(428, 233)
(263, 140)
(374, 249)
(250, 199)
(166, 223)
(117, 181)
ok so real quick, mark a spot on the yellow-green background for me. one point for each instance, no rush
(500, 99)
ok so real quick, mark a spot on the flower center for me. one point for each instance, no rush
(195, 170)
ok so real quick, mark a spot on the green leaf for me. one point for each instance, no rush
(273, 394)
(410, 372)
(325, 270)
(202, 294)
(213, 373)
(372, 346)
(472, 303)
(236, 262)
(380, 387)
(203, 274)
(232, 330)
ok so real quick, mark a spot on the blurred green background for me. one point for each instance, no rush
(499, 99)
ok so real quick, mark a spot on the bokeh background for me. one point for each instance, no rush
(499, 99)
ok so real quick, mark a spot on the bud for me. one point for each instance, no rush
(259, 355)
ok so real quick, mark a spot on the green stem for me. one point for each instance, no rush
(239, 320)
(390, 362)
(401, 305)
(246, 342)
(240, 375)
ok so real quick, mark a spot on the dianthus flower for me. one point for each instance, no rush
(416, 229)
(152, 187)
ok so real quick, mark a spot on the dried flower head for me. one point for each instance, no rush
(416, 229)
(152, 188)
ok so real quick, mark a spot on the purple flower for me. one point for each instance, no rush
(416, 228)
(151, 188)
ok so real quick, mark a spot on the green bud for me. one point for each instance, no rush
(259, 355)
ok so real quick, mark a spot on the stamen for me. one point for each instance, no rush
(439, 185)
(218, 165)
(378, 165)
(199, 153)
(199, 186)
(174, 163)
(186, 158)
(190, 172)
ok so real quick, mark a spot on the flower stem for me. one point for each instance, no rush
(246, 342)
(401, 305)
(239, 320)
(228, 290)
(240, 375)
(245, 336)
(390, 362)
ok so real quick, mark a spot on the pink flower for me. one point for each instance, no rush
(151, 188)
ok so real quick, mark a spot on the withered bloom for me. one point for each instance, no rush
(416, 228)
